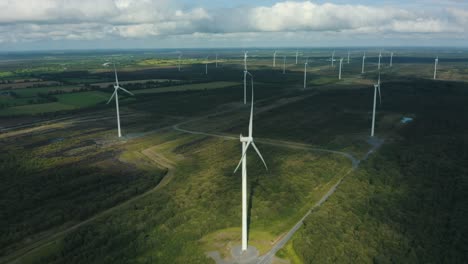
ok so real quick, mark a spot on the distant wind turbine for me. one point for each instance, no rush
(436, 63)
(206, 66)
(363, 63)
(305, 73)
(297, 55)
(333, 59)
(376, 88)
(274, 59)
(391, 59)
(341, 66)
(246, 143)
(348, 56)
(216, 60)
(380, 57)
(116, 95)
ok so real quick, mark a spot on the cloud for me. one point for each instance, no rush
(25, 20)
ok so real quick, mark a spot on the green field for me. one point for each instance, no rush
(73, 192)
(64, 102)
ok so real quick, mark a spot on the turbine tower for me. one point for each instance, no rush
(341, 66)
(348, 56)
(274, 59)
(391, 59)
(436, 63)
(363, 63)
(376, 88)
(245, 76)
(305, 73)
(297, 55)
(246, 143)
(116, 95)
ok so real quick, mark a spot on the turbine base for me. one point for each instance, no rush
(246, 257)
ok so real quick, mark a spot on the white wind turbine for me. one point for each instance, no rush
(206, 65)
(436, 63)
(274, 59)
(341, 66)
(305, 73)
(245, 76)
(246, 143)
(333, 59)
(348, 56)
(363, 63)
(116, 95)
(391, 59)
(376, 88)
(380, 57)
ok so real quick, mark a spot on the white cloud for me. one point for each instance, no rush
(26, 20)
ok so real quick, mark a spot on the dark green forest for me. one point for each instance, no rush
(408, 202)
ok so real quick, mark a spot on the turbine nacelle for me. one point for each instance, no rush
(246, 139)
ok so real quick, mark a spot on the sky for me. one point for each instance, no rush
(154, 24)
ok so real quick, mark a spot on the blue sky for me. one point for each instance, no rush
(101, 24)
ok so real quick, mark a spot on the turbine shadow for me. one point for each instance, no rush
(253, 187)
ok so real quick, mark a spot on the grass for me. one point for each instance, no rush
(84, 99)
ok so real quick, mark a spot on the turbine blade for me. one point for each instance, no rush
(260, 155)
(380, 95)
(115, 91)
(251, 110)
(242, 157)
(125, 90)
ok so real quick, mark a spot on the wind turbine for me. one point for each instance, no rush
(380, 57)
(341, 66)
(348, 56)
(305, 73)
(297, 55)
(391, 59)
(333, 59)
(436, 63)
(245, 76)
(246, 143)
(274, 59)
(206, 66)
(284, 64)
(376, 88)
(116, 95)
(363, 62)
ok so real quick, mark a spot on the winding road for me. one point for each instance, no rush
(267, 258)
